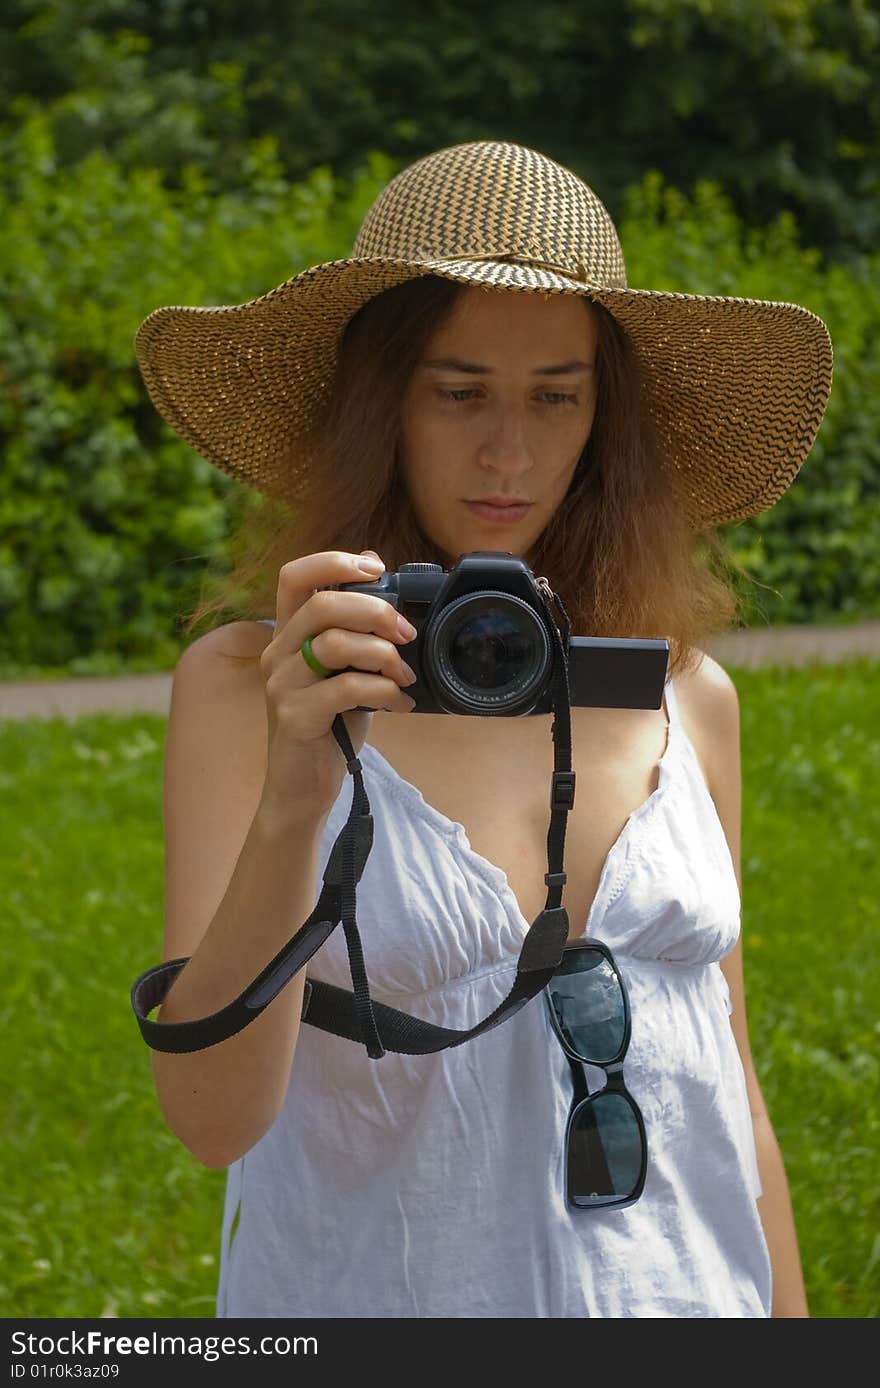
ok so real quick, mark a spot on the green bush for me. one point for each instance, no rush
(108, 521)
(818, 548)
(106, 518)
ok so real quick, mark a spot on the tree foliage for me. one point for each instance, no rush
(106, 518)
(776, 100)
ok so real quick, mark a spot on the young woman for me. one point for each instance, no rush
(476, 376)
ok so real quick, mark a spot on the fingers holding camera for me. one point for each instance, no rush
(299, 579)
(348, 632)
(355, 635)
(337, 648)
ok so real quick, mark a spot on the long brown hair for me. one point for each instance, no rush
(618, 550)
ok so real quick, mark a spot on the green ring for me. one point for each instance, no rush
(312, 660)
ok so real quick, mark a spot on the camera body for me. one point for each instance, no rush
(485, 646)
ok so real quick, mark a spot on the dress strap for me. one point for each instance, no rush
(671, 699)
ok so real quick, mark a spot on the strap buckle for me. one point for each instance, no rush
(562, 790)
(307, 998)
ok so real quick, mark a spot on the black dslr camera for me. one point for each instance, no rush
(484, 643)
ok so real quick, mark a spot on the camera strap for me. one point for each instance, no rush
(354, 1014)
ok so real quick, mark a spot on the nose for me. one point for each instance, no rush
(506, 447)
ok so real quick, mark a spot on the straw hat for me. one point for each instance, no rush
(736, 387)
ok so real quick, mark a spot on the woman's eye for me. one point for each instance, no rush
(463, 394)
(550, 397)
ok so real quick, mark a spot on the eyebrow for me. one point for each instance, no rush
(469, 368)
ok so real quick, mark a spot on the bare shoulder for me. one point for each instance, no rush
(215, 766)
(235, 646)
(218, 704)
(709, 706)
(708, 687)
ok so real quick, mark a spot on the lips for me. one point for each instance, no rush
(498, 501)
(503, 515)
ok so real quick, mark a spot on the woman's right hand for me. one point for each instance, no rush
(346, 628)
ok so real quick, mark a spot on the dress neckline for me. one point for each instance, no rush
(612, 877)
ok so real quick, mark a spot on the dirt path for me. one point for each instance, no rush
(792, 645)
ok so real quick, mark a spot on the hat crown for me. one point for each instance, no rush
(488, 200)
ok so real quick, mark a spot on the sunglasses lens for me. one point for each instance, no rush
(587, 999)
(605, 1151)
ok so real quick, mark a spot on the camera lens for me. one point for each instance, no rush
(490, 653)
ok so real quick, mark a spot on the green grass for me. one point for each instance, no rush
(106, 1214)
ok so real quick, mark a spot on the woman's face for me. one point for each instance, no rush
(500, 404)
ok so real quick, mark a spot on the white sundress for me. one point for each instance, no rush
(433, 1186)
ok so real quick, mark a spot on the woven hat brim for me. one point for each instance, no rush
(246, 384)
(736, 387)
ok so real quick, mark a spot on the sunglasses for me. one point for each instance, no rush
(607, 1150)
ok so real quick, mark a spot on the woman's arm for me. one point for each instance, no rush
(239, 881)
(716, 710)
